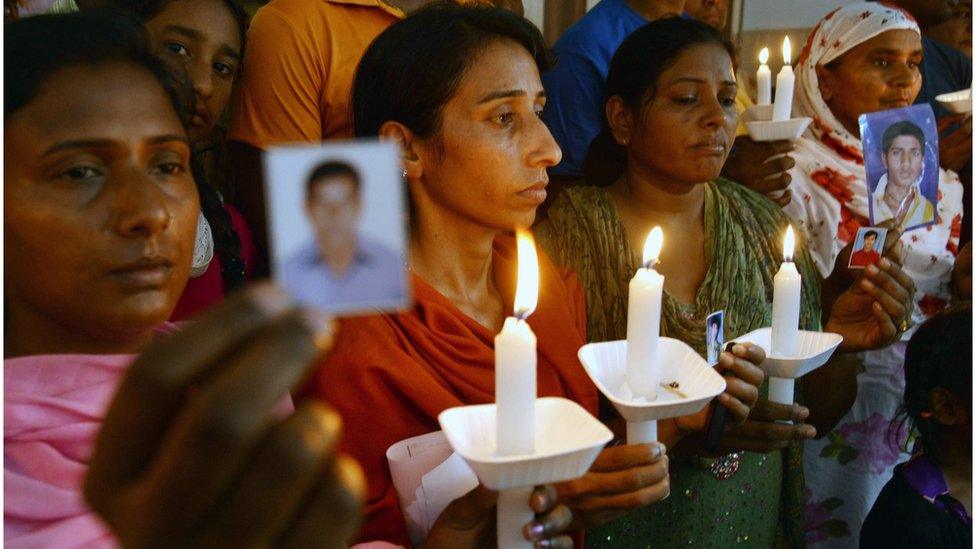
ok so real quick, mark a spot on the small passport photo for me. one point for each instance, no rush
(901, 158)
(868, 247)
(714, 336)
(337, 224)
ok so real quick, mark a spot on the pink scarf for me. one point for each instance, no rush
(53, 407)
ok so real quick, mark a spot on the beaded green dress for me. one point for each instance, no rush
(761, 504)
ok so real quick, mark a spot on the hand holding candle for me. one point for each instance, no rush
(515, 360)
(764, 80)
(786, 318)
(783, 106)
(644, 321)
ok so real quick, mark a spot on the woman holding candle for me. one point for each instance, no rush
(862, 58)
(459, 89)
(723, 246)
(99, 222)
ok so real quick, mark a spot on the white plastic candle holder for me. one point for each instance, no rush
(567, 441)
(759, 123)
(606, 364)
(957, 102)
(814, 349)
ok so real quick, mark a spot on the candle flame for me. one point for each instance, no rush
(789, 242)
(763, 56)
(787, 51)
(527, 289)
(652, 247)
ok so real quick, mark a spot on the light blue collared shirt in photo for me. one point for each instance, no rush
(376, 280)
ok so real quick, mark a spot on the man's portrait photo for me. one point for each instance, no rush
(337, 231)
(714, 336)
(902, 167)
(868, 247)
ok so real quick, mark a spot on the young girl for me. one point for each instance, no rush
(928, 502)
(206, 39)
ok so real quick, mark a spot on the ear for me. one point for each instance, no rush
(409, 147)
(827, 83)
(621, 120)
(947, 409)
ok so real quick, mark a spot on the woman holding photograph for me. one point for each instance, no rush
(100, 213)
(862, 58)
(475, 154)
(723, 245)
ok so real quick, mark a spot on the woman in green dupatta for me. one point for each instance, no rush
(671, 114)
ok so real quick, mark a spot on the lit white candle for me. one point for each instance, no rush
(644, 321)
(786, 318)
(515, 361)
(783, 106)
(515, 394)
(764, 80)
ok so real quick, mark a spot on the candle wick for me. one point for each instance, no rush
(521, 314)
(651, 264)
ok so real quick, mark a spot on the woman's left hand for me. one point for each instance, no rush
(742, 380)
(875, 310)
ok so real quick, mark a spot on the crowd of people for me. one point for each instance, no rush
(158, 391)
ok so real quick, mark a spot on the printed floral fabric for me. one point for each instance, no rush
(846, 470)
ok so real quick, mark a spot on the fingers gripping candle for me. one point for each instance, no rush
(783, 106)
(515, 360)
(786, 318)
(644, 321)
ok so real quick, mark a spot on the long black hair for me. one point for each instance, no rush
(634, 71)
(227, 243)
(414, 67)
(940, 354)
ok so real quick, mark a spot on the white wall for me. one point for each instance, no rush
(786, 14)
(535, 11)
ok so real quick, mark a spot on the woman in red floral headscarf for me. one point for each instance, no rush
(861, 58)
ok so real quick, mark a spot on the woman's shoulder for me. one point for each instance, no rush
(740, 195)
(363, 341)
(583, 222)
(579, 208)
(580, 198)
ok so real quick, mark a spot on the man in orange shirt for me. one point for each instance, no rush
(299, 66)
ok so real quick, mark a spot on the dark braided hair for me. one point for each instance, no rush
(227, 244)
(939, 355)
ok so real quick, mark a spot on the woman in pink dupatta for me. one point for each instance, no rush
(861, 58)
(100, 217)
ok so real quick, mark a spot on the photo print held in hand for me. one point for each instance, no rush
(868, 247)
(901, 158)
(338, 226)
